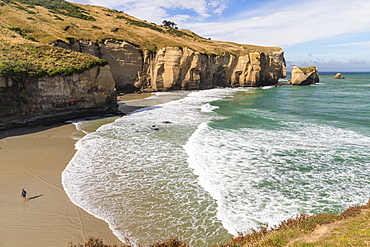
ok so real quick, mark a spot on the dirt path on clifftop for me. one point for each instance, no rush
(338, 228)
(318, 234)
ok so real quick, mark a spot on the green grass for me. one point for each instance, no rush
(21, 33)
(308, 69)
(140, 23)
(55, 6)
(36, 60)
(351, 229)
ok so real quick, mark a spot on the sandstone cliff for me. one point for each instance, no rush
(304, 76)
(50, 99)
(173, 68)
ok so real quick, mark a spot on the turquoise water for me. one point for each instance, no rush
(205, 165)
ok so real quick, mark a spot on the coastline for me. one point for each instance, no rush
(33, 159)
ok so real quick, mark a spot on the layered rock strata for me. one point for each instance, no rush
(304, 76)
(174, 68)
(51, 99)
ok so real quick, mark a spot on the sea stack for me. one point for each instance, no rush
(339, 76)
(304, 76)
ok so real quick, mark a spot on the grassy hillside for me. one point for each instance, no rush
(22, 57)
(46, 21)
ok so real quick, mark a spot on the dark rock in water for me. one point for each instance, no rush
(166, 122)
(141, 131)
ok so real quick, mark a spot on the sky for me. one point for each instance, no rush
(333, 35)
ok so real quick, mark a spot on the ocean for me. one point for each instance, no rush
(206, 165)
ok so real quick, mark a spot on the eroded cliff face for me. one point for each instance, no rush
(51, 99)
(174, 68)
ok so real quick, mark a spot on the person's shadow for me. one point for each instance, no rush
(34, 197)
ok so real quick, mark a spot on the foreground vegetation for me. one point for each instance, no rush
(351, 228)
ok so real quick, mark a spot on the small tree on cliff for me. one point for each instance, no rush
(169, 24)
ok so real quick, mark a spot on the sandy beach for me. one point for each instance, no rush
(33, 159)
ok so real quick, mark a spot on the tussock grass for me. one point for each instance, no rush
(30, 59)
(350, 228)
(47, 22)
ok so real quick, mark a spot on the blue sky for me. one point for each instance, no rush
(333, 35)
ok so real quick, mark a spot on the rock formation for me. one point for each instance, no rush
(173, 68)
(50, 99)
(339, 76)
(304, 76)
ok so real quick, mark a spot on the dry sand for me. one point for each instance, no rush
(33, 159)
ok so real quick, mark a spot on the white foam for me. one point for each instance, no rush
(140, 158)
(208, 108)
(265, 176)
(253, 176)
(267, 87)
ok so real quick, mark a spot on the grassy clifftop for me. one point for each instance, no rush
(350, 228)
(28, 27)
(20, 57)
(46, 21)
(33, 60)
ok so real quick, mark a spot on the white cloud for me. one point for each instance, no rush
(358, 61)
(360, 43)
(158, 10)
(354, 64)
(296, 23)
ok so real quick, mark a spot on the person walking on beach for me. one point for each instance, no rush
(24, 195)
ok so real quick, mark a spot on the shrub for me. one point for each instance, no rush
(21, 32)
(140, 23)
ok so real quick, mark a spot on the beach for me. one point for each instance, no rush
(33, 159)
